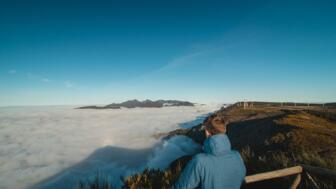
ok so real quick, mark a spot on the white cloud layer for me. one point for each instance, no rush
(53, 147)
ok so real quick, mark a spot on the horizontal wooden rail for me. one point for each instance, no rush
(273, 174)
(297, 170)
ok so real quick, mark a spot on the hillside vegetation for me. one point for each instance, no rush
(268, 136)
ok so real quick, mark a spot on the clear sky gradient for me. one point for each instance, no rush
(97, 52)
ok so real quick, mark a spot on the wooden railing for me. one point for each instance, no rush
(297, 170)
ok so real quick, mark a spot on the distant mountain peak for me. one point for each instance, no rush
(141, 104)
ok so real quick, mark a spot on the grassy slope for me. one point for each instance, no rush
(276, 137)
(268, 137)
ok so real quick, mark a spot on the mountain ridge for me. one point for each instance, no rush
(141, 104)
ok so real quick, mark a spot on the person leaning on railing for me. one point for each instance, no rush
(218, 167)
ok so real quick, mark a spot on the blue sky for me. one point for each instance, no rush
(97, 52)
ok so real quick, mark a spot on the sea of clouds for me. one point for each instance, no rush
(56, 146)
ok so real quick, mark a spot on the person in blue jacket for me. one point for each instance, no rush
(218, 167)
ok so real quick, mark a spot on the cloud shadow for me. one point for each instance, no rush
(109, 160)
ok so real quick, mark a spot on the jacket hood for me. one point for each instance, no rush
(217, 145)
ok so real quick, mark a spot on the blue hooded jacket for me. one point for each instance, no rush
(218, 167)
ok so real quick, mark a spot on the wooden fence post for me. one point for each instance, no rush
(296, 182)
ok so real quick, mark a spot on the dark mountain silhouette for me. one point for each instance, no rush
(141, 104)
